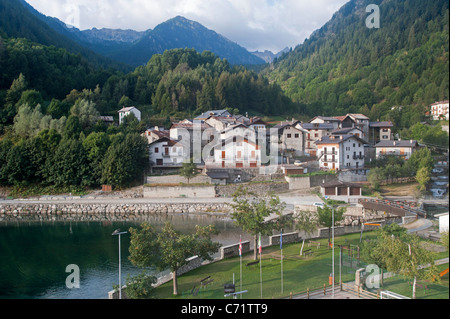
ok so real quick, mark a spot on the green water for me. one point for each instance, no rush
(34, 256)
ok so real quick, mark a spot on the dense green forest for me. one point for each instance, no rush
(184, 83)
(346, 67)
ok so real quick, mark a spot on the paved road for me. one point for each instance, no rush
(289, 198)
(419, 225)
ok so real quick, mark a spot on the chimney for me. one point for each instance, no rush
(342, 137)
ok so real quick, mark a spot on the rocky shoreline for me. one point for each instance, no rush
(110, 211)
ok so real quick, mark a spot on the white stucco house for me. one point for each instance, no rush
(402, 148)
(340, 152)
(439, 110)
(235, 152)
(443, 222)
(167, 152)
(127, 111)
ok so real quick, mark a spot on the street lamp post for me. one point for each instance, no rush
(117, 232)
(332, 243)
(332, 218)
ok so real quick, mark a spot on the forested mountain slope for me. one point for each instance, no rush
(346, 67)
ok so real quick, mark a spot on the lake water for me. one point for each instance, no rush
(34, 256)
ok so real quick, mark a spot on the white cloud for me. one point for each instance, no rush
(254, 24)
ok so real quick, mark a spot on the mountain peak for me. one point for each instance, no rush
(180, 21)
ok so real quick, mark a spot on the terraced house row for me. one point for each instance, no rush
(219, 139)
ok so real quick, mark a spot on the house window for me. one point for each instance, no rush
(156, 150)
(296, 135)
(289, 135)
(316, 135)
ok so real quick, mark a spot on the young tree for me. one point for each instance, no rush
(325, 218)
(170, 248)
(188, 170)
(251, 213)
(307, 222)
(177, 247)
(405, 256)
(423, 178)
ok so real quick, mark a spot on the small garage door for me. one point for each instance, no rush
(342, 191)
(355, 191)
(330, 191)
(239, 165)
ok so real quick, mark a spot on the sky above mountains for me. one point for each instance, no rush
(254, 24)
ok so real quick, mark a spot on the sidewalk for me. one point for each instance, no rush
(418, 225)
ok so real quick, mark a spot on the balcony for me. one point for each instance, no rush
(358, 157)
(329, 153)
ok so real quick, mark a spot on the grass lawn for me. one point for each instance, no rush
(299, 273)
(424, 289)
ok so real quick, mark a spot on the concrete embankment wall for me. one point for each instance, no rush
(180, 191)
(101, 212)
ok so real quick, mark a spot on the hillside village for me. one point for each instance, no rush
(217, 141)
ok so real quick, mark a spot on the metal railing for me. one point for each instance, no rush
(327, 290)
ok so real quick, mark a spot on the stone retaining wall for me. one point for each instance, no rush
(233, 250)
(261, 189)
(100, 212)
(288, 238)
(180, 191)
